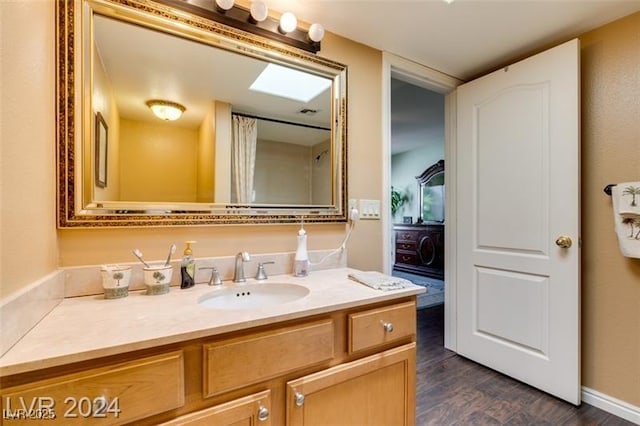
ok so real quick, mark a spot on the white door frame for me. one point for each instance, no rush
(439, 82)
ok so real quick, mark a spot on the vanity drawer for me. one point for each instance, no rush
(235, 363)
(249, 410)
(128, 392)
(383, 325)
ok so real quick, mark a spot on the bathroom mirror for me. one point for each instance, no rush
(431, 193)
(239, 153)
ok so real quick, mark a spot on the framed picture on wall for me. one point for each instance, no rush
(407, 219)
(102, 140)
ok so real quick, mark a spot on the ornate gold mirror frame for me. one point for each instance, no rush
(76, 122)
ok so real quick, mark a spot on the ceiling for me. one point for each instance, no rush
(465, 38)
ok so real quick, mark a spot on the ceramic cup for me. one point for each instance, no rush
(115, 281)
(157, 278)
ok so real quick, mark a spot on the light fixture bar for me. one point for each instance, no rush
(240, 18)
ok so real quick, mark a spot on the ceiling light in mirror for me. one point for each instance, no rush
(166, 110)
(289, 83)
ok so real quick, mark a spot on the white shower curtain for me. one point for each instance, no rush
(243, 152)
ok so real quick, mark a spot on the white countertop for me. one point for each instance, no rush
(84, 328)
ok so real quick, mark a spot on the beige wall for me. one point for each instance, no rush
(223, 152)
(206, 156)
(321, 173)
(610, 154)
(364, 142)
(105, 103)
(28, 247)
(158, 162)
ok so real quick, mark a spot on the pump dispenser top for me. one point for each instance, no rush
(188, 267)
(301, 265)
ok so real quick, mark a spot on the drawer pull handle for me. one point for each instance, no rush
(388, 327)
(299, 398)
(263, 414)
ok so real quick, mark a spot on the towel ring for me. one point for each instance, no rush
(607, 189)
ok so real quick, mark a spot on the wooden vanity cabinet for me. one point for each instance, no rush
(352, 367)
(376, 390)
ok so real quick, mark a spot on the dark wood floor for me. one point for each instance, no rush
(451, 390)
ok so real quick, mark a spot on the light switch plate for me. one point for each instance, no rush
(369, 209)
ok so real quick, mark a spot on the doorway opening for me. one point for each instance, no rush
(408, 76)
(418, 188)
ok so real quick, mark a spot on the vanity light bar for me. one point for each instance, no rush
(240, 18)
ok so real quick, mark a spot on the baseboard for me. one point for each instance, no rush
(611, 405)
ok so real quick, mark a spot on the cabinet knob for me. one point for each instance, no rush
(263, 413)
(388, 327)
(299, 398)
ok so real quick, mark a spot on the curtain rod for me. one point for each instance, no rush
(310, 126)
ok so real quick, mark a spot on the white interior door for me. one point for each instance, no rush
(518, 190)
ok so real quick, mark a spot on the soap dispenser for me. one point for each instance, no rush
(188, 267)
(301, 267)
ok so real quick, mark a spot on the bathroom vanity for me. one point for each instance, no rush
(342, 354)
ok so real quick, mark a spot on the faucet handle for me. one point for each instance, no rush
(215, 276)
(261, 274)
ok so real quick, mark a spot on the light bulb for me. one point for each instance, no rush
(225, 4)
(288, 22)
(316, 32)
(259, 11)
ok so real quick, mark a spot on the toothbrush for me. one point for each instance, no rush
(137, 253)
(172, 250)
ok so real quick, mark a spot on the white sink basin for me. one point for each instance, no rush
(249, 296)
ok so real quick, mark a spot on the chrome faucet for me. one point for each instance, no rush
(238, 276)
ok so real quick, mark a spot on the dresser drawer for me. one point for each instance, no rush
(109, 396)
(407, 236)
(407, 258)
(383, 325)
(240, 362)
(406, 245)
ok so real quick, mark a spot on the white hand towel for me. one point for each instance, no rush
(628, 197)
(380, 281)
(627, 223)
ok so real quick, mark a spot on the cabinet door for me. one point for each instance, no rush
(376, 390)
(252, 410)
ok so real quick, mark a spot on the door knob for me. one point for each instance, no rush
(563, 241)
